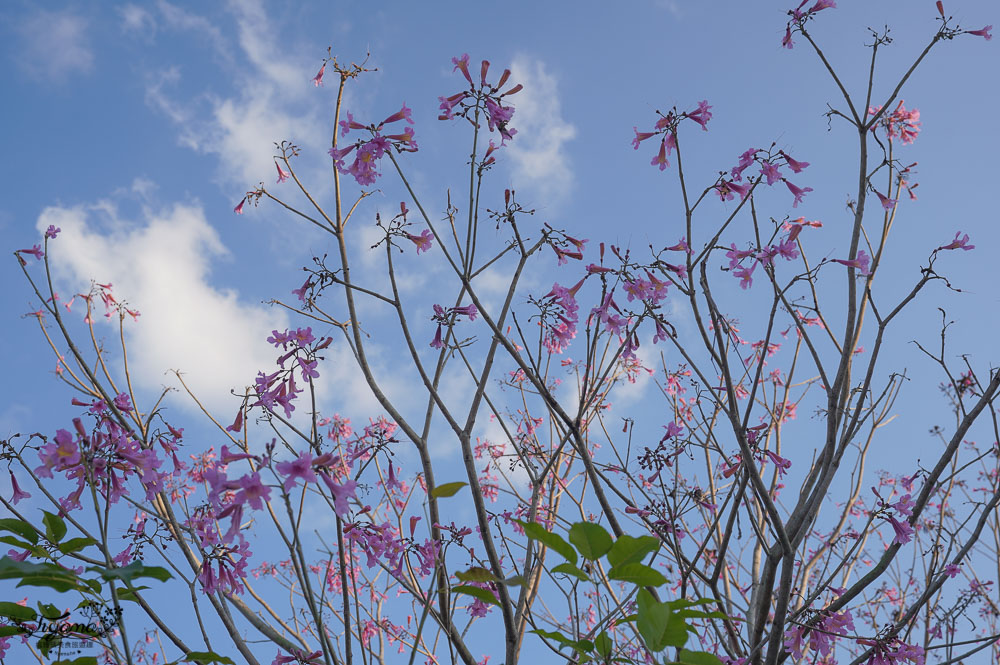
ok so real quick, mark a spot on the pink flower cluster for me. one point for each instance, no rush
(799, 17)
(769, 171)
(786, 248)
(666, 127)
(369, 151)
(448, 318)
(902, 123)
(822, 637)
(484, 97)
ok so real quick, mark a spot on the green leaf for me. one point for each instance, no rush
(76, 544)
(698, 658)
(38, 574)
(553, 635)
(55, 528)
(80, 660)
(447, 489)
(129, 594)
(132, 571)
(603, 644)
(637, 573)
(477, 574)
(17, 612)
(9, 631)
(584, 646)
(516, 580)
(21, 528)
(591, 540)
(570, 569)
(207, 657)
(474, 591)
(49, 611)
(658, 625)
(551, 540)
(11, 540)
(628, 549)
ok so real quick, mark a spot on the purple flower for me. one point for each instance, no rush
(422, 241)
(797, 192)
(35, 251)
(253, 491)
(794, 165)
(300, 467)
(951, 570)
(52, 231)
(984, 33)
(887, 203)
(957, 243)
(18, 492)
(904, 506)
(904, 532)
(463, 65)
(701, 115)
(318, 79)
(771, 172)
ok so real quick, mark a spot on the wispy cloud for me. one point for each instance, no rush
(266, 103)
(538, 151)
(54, 45)
(161, 264)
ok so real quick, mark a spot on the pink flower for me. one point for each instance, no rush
(239, 208)
(318, 79)
(861, 262)
(18, 492)
(797, 192)
(887, 203)
(780, 462)
(282, 176)
(661, 157)
(904, 506)
(823, 4)
(253, 491)
(771, 172)
(725, 190)
(701, 115)
(52, 231)
(35, 251)
(463, 65)
(959, 244)
(300, 467)
(341, 493)
(640, 136)
(904, 532)
(437, 342)
(402, 114)
(984, 33)
(794, 165)
(422, 241)
(951, 570)
(786, 41)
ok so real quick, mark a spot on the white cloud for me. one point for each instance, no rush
(136, 19)
(161, 265)
(538, 151)
(268, 104)
(55, 45)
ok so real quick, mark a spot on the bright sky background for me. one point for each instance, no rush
(138, 127)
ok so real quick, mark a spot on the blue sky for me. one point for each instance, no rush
(138, 127)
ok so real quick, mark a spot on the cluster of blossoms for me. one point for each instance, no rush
(769, 172)
(278, 388)
(563, 311)
(369, 151)
(799, 18)
(105, 458)
(666, 127)
(900, 122)
(485, 98)
(785, 248)
(448, 317)
(821, 638)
